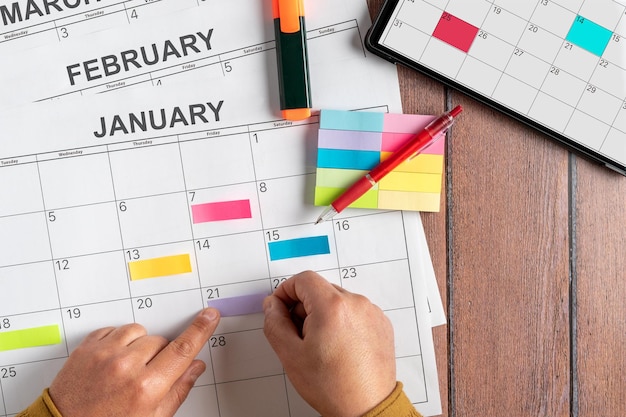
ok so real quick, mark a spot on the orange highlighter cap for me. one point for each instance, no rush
(289, 13)
(296, 114)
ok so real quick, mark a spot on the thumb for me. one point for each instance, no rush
(279, 329)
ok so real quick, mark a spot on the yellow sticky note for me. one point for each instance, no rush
(159, 267)
(424, 163)
(402, 200)
(33, 337)
(410, 181)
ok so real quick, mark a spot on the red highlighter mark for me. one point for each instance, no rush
(224, 210)
(455, 32)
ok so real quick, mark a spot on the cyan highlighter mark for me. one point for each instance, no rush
(298, 248)
(28, 338)
(589, 35)
(220, 211)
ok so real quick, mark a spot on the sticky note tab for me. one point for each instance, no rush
(220, 211)
(348, 139)
(324, 196)
(238, 306)
(159, 267)
(27, 338)
(351, 120)
(347, 159)
(411, 182)
(345, 155)
(296, 248)
(342, 178)
(424, 163)
(400, 200)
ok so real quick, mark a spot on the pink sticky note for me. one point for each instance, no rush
(224, 210)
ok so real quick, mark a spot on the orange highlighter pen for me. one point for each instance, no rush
(292, 59)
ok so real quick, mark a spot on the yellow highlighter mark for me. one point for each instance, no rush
(159, 267)
(27, 338)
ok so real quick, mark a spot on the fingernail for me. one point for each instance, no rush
(197, 371)
(211, 313)
(267, 304)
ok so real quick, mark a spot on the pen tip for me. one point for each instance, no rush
(327, 214)
(455, 111)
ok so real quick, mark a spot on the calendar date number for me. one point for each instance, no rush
(217, 341)
(6, 373)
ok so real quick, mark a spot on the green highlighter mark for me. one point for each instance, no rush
(33, 337)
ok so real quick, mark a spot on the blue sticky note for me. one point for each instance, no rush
(297, 248)
(347, 159)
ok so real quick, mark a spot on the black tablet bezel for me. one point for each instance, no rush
(372, 44)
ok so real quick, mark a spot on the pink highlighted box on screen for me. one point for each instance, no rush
(220, 211)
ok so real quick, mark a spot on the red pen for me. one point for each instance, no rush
(429, 135)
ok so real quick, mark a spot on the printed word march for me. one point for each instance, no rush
(19, 12)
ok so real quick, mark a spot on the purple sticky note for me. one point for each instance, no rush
(238, 306)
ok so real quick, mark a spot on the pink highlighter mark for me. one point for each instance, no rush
(223, 210)
(455, 32)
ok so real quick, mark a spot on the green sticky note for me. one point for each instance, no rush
(25, 338)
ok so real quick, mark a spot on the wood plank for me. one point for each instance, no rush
(510, 271)
(600, 290)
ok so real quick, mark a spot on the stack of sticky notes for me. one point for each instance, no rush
(351, 143)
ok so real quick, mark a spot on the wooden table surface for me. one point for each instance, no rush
(529, 250)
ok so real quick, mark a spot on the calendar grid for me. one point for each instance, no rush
(119, 225)
(56, 204)
(250, 135)
(52, 259)
(555, 64)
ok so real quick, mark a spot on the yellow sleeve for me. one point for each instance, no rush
(397, 404)
(42, 407)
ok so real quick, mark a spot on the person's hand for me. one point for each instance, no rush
(336, 347)
(122, 371)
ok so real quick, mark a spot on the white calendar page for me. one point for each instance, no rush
(212, 42)
(558, 64)
(79, 208)
(27, 24)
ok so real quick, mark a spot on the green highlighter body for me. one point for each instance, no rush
(292, 59)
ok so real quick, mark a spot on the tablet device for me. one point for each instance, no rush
(557, 65)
